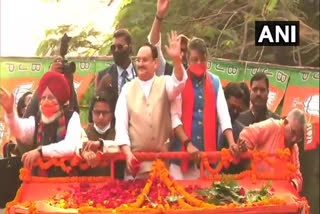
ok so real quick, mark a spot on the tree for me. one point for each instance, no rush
(228, 26)
(84, 42)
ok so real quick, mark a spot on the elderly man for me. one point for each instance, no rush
(32, 108)
(58, 65)
(142, 113)
(271, 135)
(53, 132)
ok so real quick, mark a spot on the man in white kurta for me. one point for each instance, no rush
(51, 134)
(142, 113)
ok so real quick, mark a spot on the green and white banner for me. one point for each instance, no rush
(292, 86)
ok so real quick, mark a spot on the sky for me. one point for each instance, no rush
(23, 23)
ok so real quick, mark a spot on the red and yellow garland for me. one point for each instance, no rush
(159, 171)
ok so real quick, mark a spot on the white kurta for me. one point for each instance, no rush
(24, 130)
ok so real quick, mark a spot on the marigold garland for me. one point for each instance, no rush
(282, 157)
(159, 170)
(61, 162)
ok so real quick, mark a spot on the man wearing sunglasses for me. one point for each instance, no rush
(123, 70)
(155, 39)
(271, 135)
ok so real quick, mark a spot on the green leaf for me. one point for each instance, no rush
(152, 202)
(271, 5)
(222, 192)
(174, 198)
(206, 20)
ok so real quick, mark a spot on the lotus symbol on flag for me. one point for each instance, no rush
(20, 90)
(311, 105)
(272, 96)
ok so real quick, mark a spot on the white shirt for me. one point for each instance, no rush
(176, 111)
(24, 130)
(131, 74)
(222, 110)
(162, 60)
(173, 88)
(176, 104)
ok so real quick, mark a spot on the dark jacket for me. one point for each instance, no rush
(109, 72)
(247, 118)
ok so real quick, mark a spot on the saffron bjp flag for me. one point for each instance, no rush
(84, 76)
(312, 136)
(303, 93)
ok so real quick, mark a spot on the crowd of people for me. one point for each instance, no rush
(151, 105)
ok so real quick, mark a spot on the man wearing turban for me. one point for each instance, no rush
(49, 132)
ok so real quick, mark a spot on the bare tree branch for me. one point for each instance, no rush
(261, 53)
(225, 28)
(244, 41)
